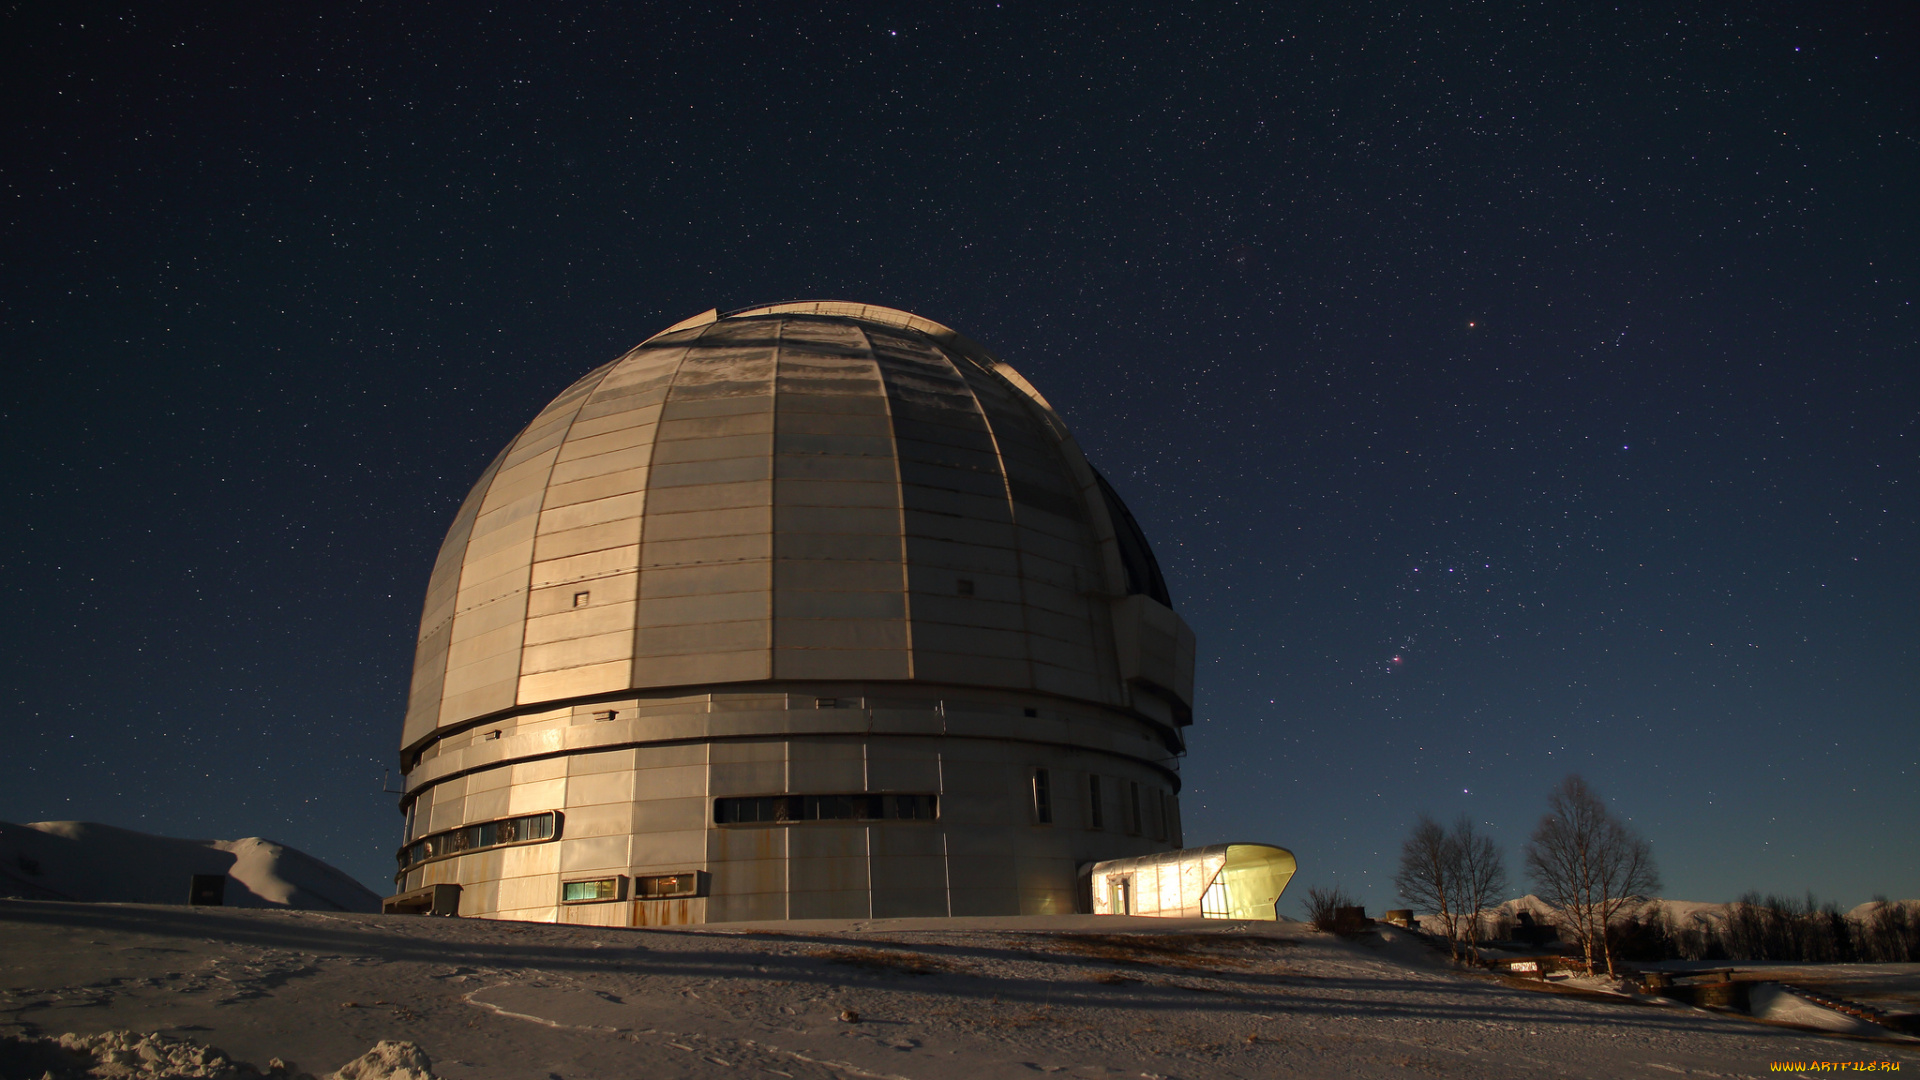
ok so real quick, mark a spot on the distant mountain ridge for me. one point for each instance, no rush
(90, 862)
(1681, 911)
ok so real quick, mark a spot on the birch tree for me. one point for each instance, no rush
(1427, 878)
(1480, 877)
(1588, 864)
(1627, 877)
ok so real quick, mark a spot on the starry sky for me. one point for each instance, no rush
(1509, 391)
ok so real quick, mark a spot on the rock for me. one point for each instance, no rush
(124, 1055)
(850, 1016)
(388, 1060)
(28, 1058)
(129, 1055)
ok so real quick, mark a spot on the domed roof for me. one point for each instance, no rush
(799, 492)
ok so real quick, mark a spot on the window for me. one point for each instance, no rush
(592, 891)
(606, 714)
(787, 809)
(1133, 808)
(664, 886)
(1030, 712)
(1213, 902)
(1042, 798)
(1095, 816)
(529, 828)
(963, 586)
(1157, 822)
(580, 599)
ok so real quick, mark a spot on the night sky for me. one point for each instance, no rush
(1525, 389)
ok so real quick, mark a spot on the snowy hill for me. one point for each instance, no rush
(82, 860)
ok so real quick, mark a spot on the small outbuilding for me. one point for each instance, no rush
(1220, 881)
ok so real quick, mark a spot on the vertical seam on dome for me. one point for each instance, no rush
(773, 495)
(460, 568)
(646, 508)
(1013, 516)
(899, 498)
(546, 490)
(527, 590)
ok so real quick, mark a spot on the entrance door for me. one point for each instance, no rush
(1120, 894)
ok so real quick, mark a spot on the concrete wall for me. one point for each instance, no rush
(650, 810)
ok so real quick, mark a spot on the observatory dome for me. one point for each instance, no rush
(811, 609)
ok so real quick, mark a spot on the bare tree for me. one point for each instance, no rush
(1428, 875)
(1324, 906)
(1588, 864)
(1481, 878)
(1627, 877)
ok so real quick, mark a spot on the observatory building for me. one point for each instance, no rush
(813, 610)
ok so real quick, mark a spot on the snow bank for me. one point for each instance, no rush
(82, 860)
(1777, 1004)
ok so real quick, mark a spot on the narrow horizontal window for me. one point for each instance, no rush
(786, 809)
(591, 891)
(663, 886)
(487, 834)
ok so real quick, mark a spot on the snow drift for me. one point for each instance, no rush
(82, 860)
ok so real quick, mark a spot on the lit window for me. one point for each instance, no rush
(590, 892)
(661, 886)
(1213, 902)
(1042, 798)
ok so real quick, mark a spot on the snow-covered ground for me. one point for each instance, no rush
(82, 860)
(1078, 996)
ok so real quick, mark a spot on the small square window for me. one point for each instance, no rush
(580, 599)
(491, 735)
(1030, 712)
(606, 714)
(964, 587)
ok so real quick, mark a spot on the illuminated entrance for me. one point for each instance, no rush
(1221, 881)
